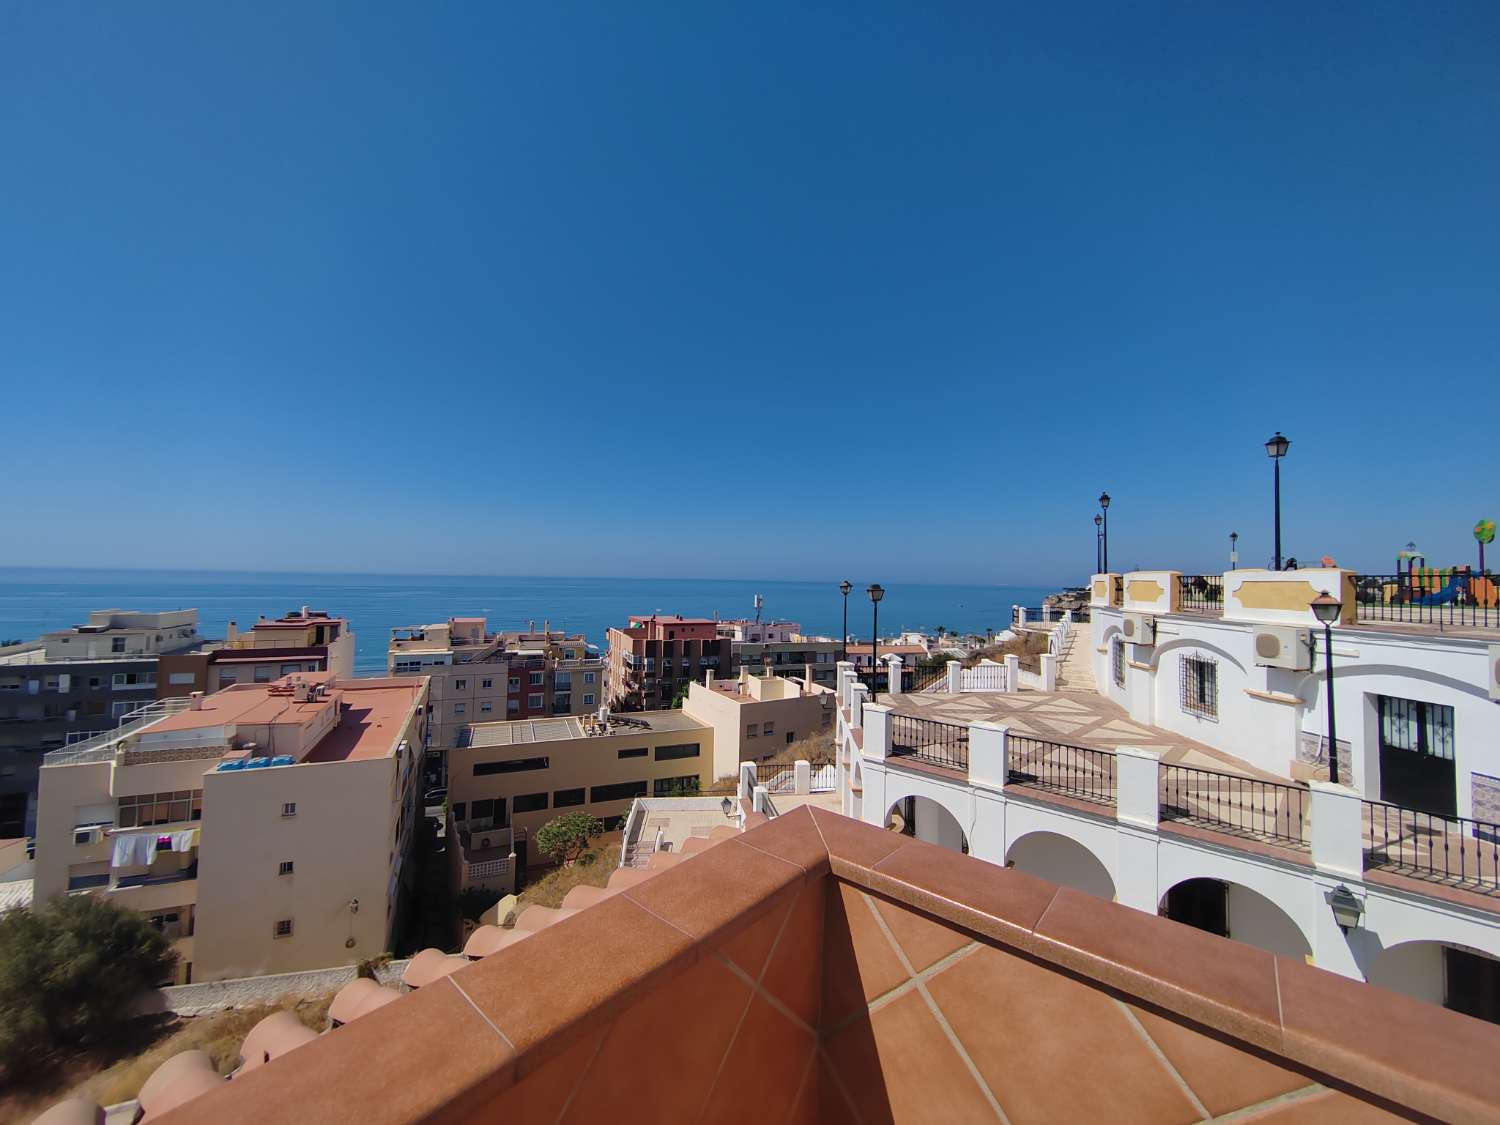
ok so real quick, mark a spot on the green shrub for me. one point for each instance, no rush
(564, 837)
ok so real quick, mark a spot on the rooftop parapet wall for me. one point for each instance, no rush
(818, 969)
(1153, 591)
(1284, 597)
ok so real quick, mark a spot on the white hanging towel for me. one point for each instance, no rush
(185, 840)
(135, 850)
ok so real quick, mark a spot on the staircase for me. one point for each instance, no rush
(1075, 671)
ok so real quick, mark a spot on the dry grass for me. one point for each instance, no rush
(550, 888)
(1028, 646)
(220, 1035)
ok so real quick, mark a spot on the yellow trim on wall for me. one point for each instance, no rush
(1287, 596)
(1143, 590)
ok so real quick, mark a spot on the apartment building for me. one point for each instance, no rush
(305, 640)
(519, 775)
(789, 657)
(758, 717)
(265, 828)
(69, 684)
(656, 656)
(748, 631)
(478, 676)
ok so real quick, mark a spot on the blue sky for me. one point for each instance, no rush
(639, 289)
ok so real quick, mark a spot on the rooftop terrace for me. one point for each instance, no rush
(522, 731)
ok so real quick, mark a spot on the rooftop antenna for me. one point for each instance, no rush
(759, 602)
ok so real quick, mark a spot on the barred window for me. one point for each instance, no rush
(1199, 686)
(1117, 662)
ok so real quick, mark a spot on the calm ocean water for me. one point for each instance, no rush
(33, 601)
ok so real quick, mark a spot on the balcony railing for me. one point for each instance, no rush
(776, 776)
(1455, 597)
(101, 748)
(1240, 806)
(878, 680)
(1447, 849)
(931, 741)
(1201, 593)
(1080, 772)
(925, 679)
(1032, 612)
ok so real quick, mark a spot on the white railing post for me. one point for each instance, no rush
(858, 693)
(1012, 672)
(877, 741)
(1138, 786)
(760, 800)
(893, 675)
(845, 674)
(1021, 616)
(989, 749)
(747, 780)
(1049, 672)
(1337, 830)
(801, 776)
(955, 677)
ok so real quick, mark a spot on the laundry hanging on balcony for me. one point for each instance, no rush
(136, 850)
(185, 841)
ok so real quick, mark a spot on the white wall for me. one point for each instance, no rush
(1058, 859)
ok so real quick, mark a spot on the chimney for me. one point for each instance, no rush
(304, 611)
(547, 627)
(232, 634)
(807, 680)
(531, 626)
(195, 701)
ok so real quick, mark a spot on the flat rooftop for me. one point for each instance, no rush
(561, 729)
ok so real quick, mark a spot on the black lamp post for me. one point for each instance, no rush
(1276, 449)
(876, 592)
(844, 588)
(1326, 608)
(1098, 546)
(1104, 531)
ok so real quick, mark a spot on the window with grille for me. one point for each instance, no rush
(1117, 662)
(1423, 728)
(1199, 686)
(287, 867)
(283, 928)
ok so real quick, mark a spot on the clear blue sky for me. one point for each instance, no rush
(638, 289)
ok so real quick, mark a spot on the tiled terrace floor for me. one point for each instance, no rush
(1081, 718)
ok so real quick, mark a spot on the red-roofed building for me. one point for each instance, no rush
(656, 656)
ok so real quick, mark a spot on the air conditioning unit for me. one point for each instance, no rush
(90, 835)
(1139, 629)
(1283, 646)
(1495, 672)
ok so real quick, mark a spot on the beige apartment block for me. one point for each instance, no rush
(519, 775)
(305, 640)
(265, 828)
(757, 717)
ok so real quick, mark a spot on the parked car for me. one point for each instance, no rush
(436, 796)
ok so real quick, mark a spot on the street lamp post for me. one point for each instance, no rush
(1326, 609)
(1276, 449)
(1234, 550)
(844, 588)
(1104, 532)
(876, 592)
(1098, 546)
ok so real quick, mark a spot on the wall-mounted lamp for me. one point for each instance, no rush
(354, 906)
(728, 806)
(1346, 906)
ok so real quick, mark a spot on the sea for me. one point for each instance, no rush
(36, 600)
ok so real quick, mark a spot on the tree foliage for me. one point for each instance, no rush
(69, 973)
(565, 837)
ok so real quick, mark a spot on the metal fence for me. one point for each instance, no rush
(1448, 849)
(1058, 767)
(1428, 597)
(928, 679)
(1033, 614)
(1239, 806)
(775, 776)
(928, 740)
(879, 680)
(1201, 593)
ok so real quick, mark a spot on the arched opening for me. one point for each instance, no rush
(927, 820)
(857, 793)
(1464, 980)
(1058, 859)
(1237, 912)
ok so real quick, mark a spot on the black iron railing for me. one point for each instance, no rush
(1456, 597)
(924, 678)
(1201, 593)
(1058, 767)
(1033, 613)
(1081, 615)
(1238, 806)
(879, 681)
(1447, 849)
(768, 772)
(931, 741)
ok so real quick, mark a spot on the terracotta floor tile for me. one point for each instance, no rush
(854, 841)
(832, 1107)
(711, 891)
(760, 1078)
(794, 974)
(660, 1056)
(627, 949)
(1223, 1076)
(858, 961)
(749, 944)
(541, 1095)
(794, 838)
(1061, 1052)
(1224, 984)
(900, 1066)
(923, 939)
(1327, 1108)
